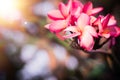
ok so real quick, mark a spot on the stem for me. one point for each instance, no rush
(104, 42)
(98, 51)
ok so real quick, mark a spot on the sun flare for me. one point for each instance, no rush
(7, 8)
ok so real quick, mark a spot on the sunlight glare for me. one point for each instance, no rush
(7, 8)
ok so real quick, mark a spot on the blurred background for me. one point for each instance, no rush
(30, 52)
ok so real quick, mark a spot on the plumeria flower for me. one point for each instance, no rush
(107, 26)
(61, 13)
(69, 13)
(77, 8)
(59, 17)
(80, 22)
(64, 16)
(83, 31)
(73, 7)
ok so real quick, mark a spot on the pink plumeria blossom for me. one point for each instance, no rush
(83, 31)
(60, 17)
(83, 26)
(69, 12)
(63, 12)
(107, 26)
(66, 15)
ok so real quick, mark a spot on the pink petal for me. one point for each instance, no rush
(77, 7)
(55, 15)
(91, 30)
(114, 31)
(105, 21)
(86, 41)
(92, 20)
(99, 24)
(112, 21)
(100, 27)
(83, 20)
(63, 10)
(77, 3)
(47, 26)
(88, 7)
(57, 26)
(68, 19)
(96, 10)
(118, 31)
(76, 12)
(97, 21)
(69, 5)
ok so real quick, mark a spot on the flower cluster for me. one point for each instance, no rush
(80, 21)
